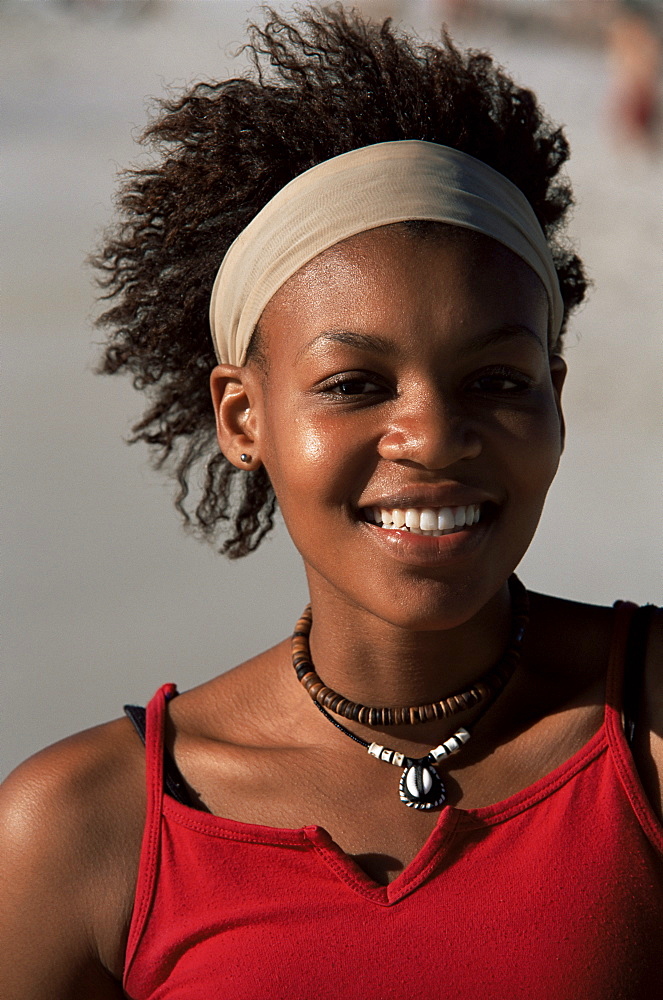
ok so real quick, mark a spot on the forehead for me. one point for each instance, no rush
(405, 278)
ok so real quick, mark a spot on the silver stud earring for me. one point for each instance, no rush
(245, 458)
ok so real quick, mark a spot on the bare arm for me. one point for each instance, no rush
(69, 848)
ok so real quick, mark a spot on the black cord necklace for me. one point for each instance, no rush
(420, 786)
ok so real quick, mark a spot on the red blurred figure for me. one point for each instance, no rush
(635, 41)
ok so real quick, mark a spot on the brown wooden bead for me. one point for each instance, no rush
(484, 690)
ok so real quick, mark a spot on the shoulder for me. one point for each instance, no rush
(573, 643)
(573, 634)
(571, 638)
(71, 820)
(73, 788)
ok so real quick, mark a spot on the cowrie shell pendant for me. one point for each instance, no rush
(421, 788)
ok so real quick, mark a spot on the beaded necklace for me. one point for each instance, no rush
(483, 690)
(420, 786)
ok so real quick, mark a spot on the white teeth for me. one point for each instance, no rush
(445, 519)
(411, 518)
(428, 520)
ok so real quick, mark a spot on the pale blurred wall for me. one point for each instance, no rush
(104, 595)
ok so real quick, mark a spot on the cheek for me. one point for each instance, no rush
(312, 458)
(539, 447)
(550, 438)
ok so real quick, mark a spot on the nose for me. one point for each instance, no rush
(431, 432)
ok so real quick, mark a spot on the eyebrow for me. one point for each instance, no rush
(510, 332)
(382, 345)
(362, 341)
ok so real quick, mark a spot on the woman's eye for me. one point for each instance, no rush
(354, 387)
(501, 382)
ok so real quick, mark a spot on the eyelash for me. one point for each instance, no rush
(520, 382)
(333, 388)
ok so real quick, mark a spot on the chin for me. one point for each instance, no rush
(434, 612)
(419, 603)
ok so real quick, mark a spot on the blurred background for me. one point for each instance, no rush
(104, 596)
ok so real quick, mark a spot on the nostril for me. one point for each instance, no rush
(431, 443)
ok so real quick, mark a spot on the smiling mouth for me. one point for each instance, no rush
(425, 520)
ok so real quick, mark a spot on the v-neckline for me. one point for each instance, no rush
(410, 878)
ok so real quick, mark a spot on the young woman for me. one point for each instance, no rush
(377, 227)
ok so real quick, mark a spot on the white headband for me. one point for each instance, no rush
(360, 190)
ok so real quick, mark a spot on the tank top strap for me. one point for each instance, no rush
(619, 661)
(155, 725)
(155, 720)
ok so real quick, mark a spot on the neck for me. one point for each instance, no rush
(376, 661)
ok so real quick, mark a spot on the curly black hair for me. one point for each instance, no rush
(324, 82)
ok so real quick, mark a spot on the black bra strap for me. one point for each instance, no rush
(634, 668)
(173, 781)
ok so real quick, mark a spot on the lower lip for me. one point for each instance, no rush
(428, 550)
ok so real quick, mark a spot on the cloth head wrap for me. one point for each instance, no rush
(360, 190)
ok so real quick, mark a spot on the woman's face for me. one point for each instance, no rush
(410, 374)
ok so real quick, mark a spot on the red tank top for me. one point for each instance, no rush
(555, 893)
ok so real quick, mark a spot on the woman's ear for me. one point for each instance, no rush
(234, 397)
(558, 371)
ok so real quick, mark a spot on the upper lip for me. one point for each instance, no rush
(449, 495)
